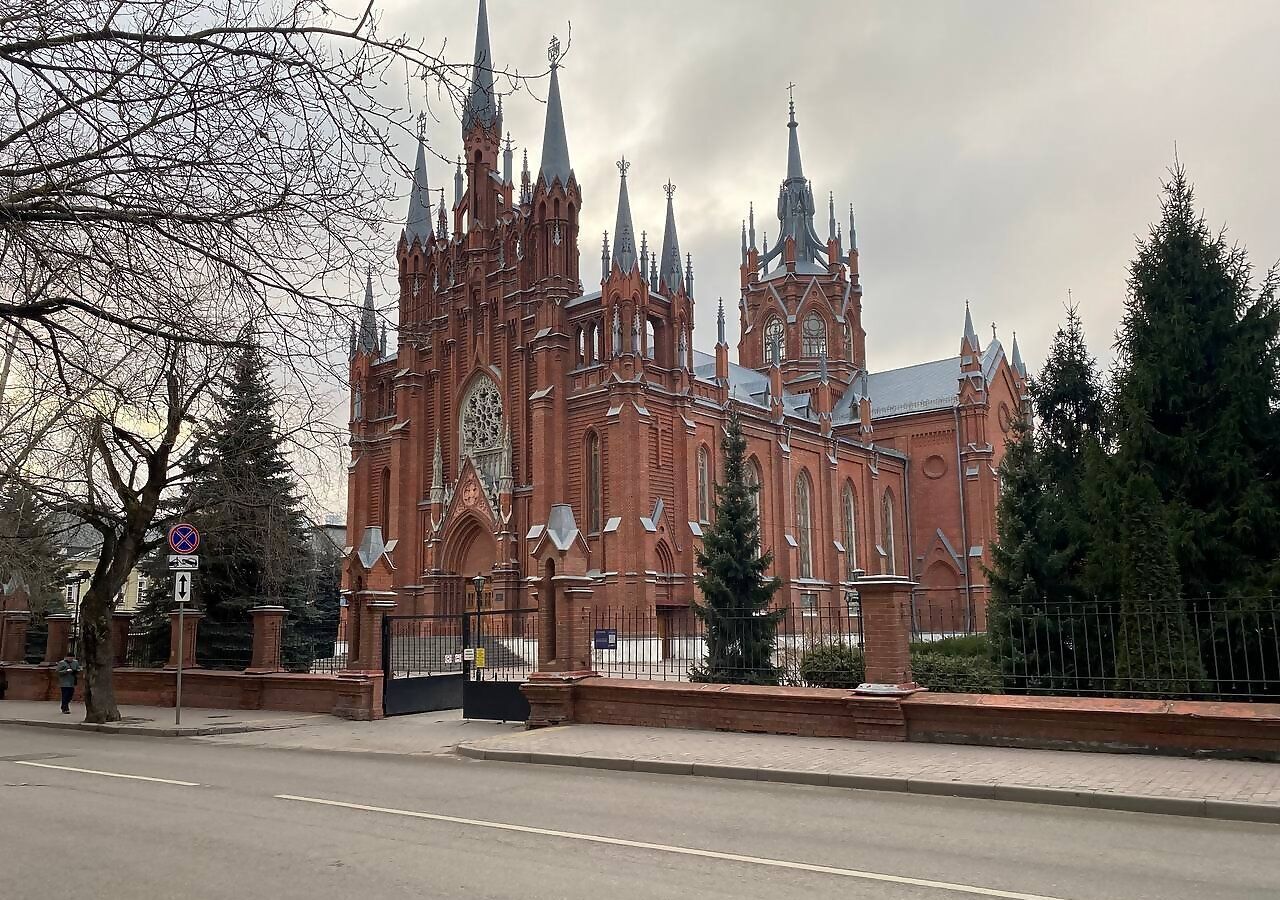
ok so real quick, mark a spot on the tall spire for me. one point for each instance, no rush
(670, 271)
(368, 342)
(458, 183)
(442, 225)
(437, 473)
(831, 205)
(555, 144)
(624, 239)
(795, 203)
(418, 223)
(751, 224)
(744, 242)
(481, 109)
(604, 258)
(720, 340)
(853, 232)
(644, 254)
(1017, 357)
(526, 189)
(970, 335)
(688, 278)
(507, 150)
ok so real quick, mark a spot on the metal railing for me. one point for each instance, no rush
(314, 647)
(677, 645)
(1225, 648)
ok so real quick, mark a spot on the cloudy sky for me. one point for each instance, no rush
(1000, 152)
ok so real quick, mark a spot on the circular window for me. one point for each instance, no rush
(1006, 418)
(481, 417)
(935, 466)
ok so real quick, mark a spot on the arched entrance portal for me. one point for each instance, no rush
(470, 550)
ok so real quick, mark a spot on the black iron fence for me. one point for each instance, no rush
(1207, 648)
(315, 647)
(818, 645)
(937, 614)
(146, 649)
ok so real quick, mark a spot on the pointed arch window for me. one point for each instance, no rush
(384, 504)
(704, 485)
(814, 335)
(753, 480)
(849, 530)
(886, 527)
(650, 339)
(804, 526)
(594, 486)
(775, 341)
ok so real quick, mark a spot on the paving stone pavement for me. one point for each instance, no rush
(1128, 774)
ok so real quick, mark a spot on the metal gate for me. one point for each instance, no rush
(475, 660)
(422, 663)
(502, 654)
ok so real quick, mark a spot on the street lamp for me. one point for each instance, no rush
(478, 583)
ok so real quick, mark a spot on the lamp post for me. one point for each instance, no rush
(477, 582)
(853, 601)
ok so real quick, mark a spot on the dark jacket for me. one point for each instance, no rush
(68, 669)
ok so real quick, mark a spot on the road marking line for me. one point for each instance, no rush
(683, 851)
(107, 774)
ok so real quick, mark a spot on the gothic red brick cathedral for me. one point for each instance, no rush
(512, 391)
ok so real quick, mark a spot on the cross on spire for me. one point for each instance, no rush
(623, 166)
(669, 188)
(553, 51)
(993, 331)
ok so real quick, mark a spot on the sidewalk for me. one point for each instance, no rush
(1214, 788)
(154, 720)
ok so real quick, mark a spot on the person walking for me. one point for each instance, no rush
(68, 670)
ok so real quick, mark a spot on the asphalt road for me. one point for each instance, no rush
(297, 824)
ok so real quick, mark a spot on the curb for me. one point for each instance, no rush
(151, 731)
(1233, 811)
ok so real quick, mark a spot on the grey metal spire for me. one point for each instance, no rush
(625, 256)
(853, 232)
(506, 161)
(653, 273)
(831, 205)
(751, 223)
(442, 225)
(481, 109)
(368, 340)
(720, 339)
(644, 254)
(604, 258)
(744, 242)
(437, 474)
(417, 226)
(1017, 357)
(970, 334)
(457, 183)
(670, 274)
(555, 144)
(526, 190)
(688, 278)
(795, 205)
(824, 376)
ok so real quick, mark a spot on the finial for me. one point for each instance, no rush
(791, 99)
(422, 126)
(623, 166)
(553, 51)
(510, 144)
(993, 331)
(670, 189)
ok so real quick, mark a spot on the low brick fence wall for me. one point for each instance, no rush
(349, 696)
(1246, 730)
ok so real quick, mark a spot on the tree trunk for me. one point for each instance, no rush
(97, 652)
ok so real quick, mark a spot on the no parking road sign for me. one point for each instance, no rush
(183, 538)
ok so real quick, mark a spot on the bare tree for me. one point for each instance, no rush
(169, 171)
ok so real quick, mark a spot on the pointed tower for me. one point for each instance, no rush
(625, 256)
(798, 242)
(670, 267)
(556, 198)
(367, 342)
(623, 290)
(418, 226)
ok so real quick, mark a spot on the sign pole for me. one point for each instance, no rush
(182, 633)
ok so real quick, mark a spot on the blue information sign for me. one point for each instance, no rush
(606, 639)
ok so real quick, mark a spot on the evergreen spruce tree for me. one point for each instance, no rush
(1196, 392)
(740, 630)
(29, 547)
(254, 548)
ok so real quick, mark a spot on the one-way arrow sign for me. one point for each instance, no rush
(182, 587)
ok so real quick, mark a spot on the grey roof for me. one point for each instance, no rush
(670, 272)
(918, 388)
(795, 207)
(368, 339)
(624, 232)
(482, 105)
(555, 143)
(417, 225)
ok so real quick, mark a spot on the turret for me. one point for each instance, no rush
(367, 342)
(418, 227)
(670, 270)
(556, 197)
(625, 256)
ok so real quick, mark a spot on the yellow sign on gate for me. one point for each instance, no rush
(479, 660)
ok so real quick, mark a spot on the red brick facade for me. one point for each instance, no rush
(511, 390)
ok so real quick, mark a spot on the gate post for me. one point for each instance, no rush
(886, 634)
(13, 648)
(120, 622)
(268, 626)
(59, 640)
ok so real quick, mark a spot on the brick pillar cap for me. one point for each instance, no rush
(17, 614)
(380, 604)
(186, 613)
(59, 616)
(267, 609)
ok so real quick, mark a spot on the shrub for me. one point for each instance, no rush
(949, 674)
(833, 666)
(961, 645)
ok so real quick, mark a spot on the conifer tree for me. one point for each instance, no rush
(1196, 392)
(740, 628)
(244, 500)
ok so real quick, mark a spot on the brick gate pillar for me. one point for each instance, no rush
(14, 647)
(59, 640)
(268, 628)
(191, 630)
(365, 654)
(120, 622)
(886, 634)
